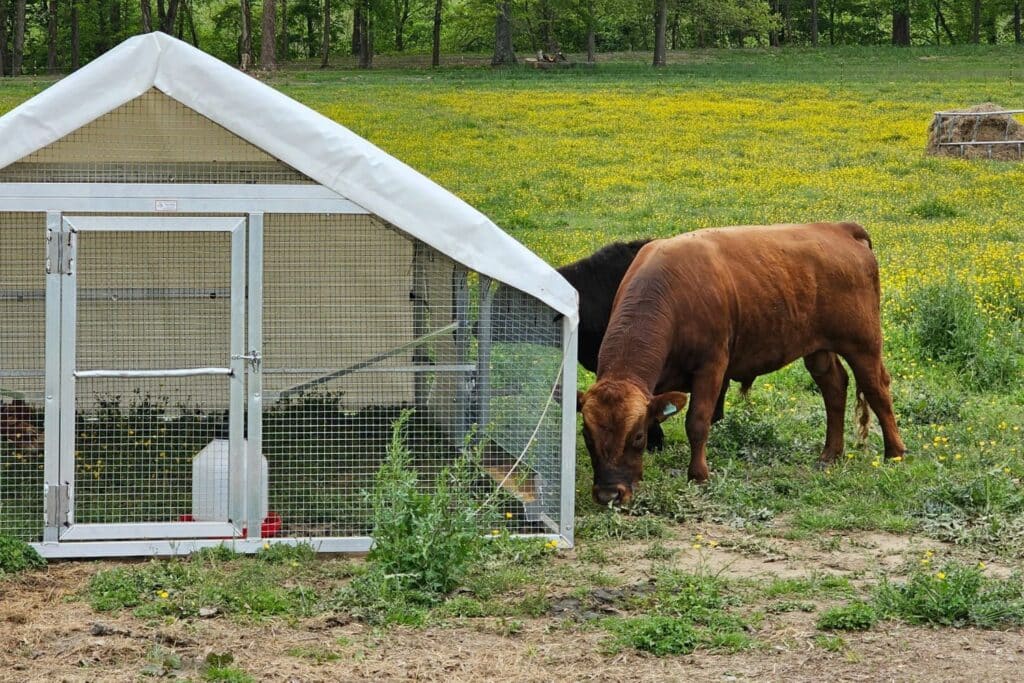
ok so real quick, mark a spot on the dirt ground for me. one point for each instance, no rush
(47, 635)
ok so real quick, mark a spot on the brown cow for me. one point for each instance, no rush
(696, 310)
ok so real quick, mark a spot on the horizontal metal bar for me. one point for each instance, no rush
(53, 551)
(123, 294)
(978, 113)
(148, 530)
(369, 361)
(174, 198)
(185, 372)
(981, 142)
(465, 367)
(153, 224)
(168, 548)
(22, 373)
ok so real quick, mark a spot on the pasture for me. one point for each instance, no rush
(869, 570)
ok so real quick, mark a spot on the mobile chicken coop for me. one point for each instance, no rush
(214, 304)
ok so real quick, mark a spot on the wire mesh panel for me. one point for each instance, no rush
(22, 373)
(362, 323)
(151, 301)
(151, 139)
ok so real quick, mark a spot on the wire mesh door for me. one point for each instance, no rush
(152, 378)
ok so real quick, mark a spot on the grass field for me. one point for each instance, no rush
(748, 570)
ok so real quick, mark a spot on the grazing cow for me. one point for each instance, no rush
(699, 309)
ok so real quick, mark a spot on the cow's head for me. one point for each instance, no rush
(616, 416)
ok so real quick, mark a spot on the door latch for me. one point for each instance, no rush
(253, 357)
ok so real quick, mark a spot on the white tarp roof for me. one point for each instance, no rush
(311, 143)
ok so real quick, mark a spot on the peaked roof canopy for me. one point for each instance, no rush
(288, 130)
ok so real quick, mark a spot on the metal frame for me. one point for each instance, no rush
(942, 116)
(166, 202)
(172, 198)
(61, 503)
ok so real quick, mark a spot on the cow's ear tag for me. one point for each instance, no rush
(670, 409)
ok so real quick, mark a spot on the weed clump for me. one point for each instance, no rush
(955, 595)
(948, 325)
(856, 616)
(17, 556)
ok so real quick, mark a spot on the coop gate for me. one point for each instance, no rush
(286, 341)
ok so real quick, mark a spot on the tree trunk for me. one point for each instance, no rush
(402, 17)
(51, 37)
(503, 52)
(191, 23)
(832, 22)
(3, 37)
(940, 20)
(901, 23)
(268, 46)
(1016, 22)
(773, 34)
(366, 37)
(282, 40)
(814, 22)
(160, 14)
(357, 25)
(76, 60)
(167, 20)
(246, 57)
(673, 29)
(325, 39)
(310, 41)
(18, 51)
(591, 33)
(976, 22)
(147, 15)
(435, 55)
(660, 24)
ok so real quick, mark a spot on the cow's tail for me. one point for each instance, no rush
(862, 417)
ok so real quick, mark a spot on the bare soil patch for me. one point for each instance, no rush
(48, 635)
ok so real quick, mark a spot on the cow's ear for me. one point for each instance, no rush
(664, 406)
(579, 401)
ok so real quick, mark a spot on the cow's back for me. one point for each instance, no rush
(762, 295)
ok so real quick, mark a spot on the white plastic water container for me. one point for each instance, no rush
(210, 484)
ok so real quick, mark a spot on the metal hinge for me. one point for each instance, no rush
(58, 504)
(253, 357)
(60, 249)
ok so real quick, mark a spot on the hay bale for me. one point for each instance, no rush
(979, 129)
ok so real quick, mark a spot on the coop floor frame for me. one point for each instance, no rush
(238, 210)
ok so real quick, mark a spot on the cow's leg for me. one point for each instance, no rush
(873, 381)
(720, 406)
(655, 437)
(831, 378)
(706, 388)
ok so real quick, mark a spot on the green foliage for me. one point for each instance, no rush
(948, 325)
(655, 634)
(855, 616)
(933, 208)
(683, 612)
(179, 587)
(427, 539)
(611, 525)
(955, 595)
(17, 556)
(830, 643)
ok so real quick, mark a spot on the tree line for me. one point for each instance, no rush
(60, 35)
